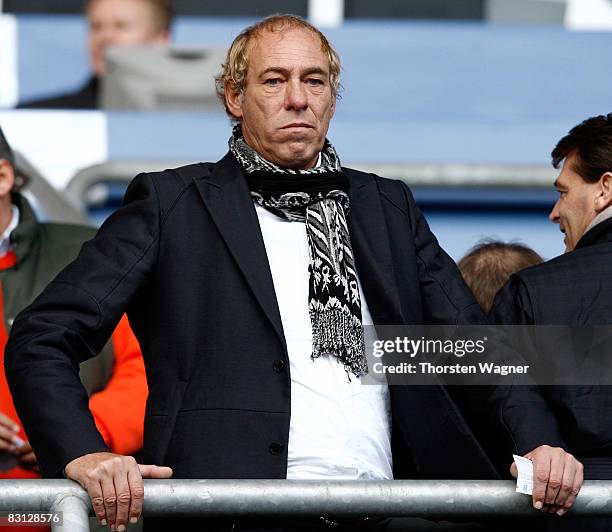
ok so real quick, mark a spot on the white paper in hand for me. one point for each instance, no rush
(524, 480)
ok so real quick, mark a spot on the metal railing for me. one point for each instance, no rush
(340, 499)
(80, 190)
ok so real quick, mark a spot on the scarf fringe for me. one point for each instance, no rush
(337, 332)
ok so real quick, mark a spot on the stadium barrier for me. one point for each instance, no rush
(458, 174)
(333, 499)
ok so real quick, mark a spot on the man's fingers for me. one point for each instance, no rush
(28, 459)
(6, 433)
(25, 448)
(576, 485)
(137, 491)
(541, 472)
(122, 490)
(513, 470)
(564, 491)
(25, 453)
(557, 466)
(8, 423)
(154, 471)
(9, 441)
(6, 443)
(567, 483)
(94, 489)
(110, 499)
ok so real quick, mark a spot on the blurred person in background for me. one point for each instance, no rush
(575, 290)
(31, 255)
(488, 265)
(112, 23)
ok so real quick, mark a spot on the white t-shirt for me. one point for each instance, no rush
(339, 428)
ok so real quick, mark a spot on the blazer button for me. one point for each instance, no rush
(276, 448)
(278, 366)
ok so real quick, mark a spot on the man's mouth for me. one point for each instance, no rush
(297, 125)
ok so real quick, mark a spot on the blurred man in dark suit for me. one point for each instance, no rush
(112, 23)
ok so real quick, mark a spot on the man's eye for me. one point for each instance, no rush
(272, 82)
(315, 82)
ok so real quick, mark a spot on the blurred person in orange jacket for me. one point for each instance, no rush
(31, 254)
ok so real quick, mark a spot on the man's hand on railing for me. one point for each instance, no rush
(114, 483)
(557, 478)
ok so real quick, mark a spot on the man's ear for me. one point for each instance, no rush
(7, 177)
(604, 192)
(233, 101)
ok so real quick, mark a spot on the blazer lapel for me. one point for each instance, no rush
(227, 198)
(373, 259)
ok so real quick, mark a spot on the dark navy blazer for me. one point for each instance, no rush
(185, 257)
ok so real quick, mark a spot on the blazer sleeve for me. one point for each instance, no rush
(71, 321)
(446, 299)
(526, 416)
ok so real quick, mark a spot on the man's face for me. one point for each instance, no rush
(576, 206)
(120, 23)
(287, 101)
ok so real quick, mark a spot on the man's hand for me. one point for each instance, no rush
(557, 478)
(10, 442)
(114, 483)
(27, 458)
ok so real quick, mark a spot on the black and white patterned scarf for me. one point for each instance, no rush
(317, 196)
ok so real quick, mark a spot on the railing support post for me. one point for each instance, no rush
(74, 509)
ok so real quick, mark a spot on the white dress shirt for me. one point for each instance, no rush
(601, 217)
(339, 428)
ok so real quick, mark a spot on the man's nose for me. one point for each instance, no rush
(296, 96)
(554, 214)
